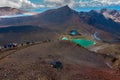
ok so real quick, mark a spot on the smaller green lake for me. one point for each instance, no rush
(65, 38)
(83, 42)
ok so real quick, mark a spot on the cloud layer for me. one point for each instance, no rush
(27, 4)
(56, 3)
(97, 3)
(84, 3)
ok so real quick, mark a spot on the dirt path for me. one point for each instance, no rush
(97, 48)
(12, 51)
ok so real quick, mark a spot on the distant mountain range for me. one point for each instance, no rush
(64, 19)
(9, 11)
(112, 14)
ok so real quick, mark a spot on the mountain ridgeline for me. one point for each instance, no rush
(65, 18)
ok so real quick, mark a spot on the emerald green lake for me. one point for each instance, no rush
(83, 42)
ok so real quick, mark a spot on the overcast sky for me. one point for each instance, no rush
(75, 4)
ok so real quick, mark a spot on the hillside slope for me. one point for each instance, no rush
(64, 18)
(33, 63)
(24, 33)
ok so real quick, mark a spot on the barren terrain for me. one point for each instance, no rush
(33, 63)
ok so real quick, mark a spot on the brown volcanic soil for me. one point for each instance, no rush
(112, 48)
(32, 63)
